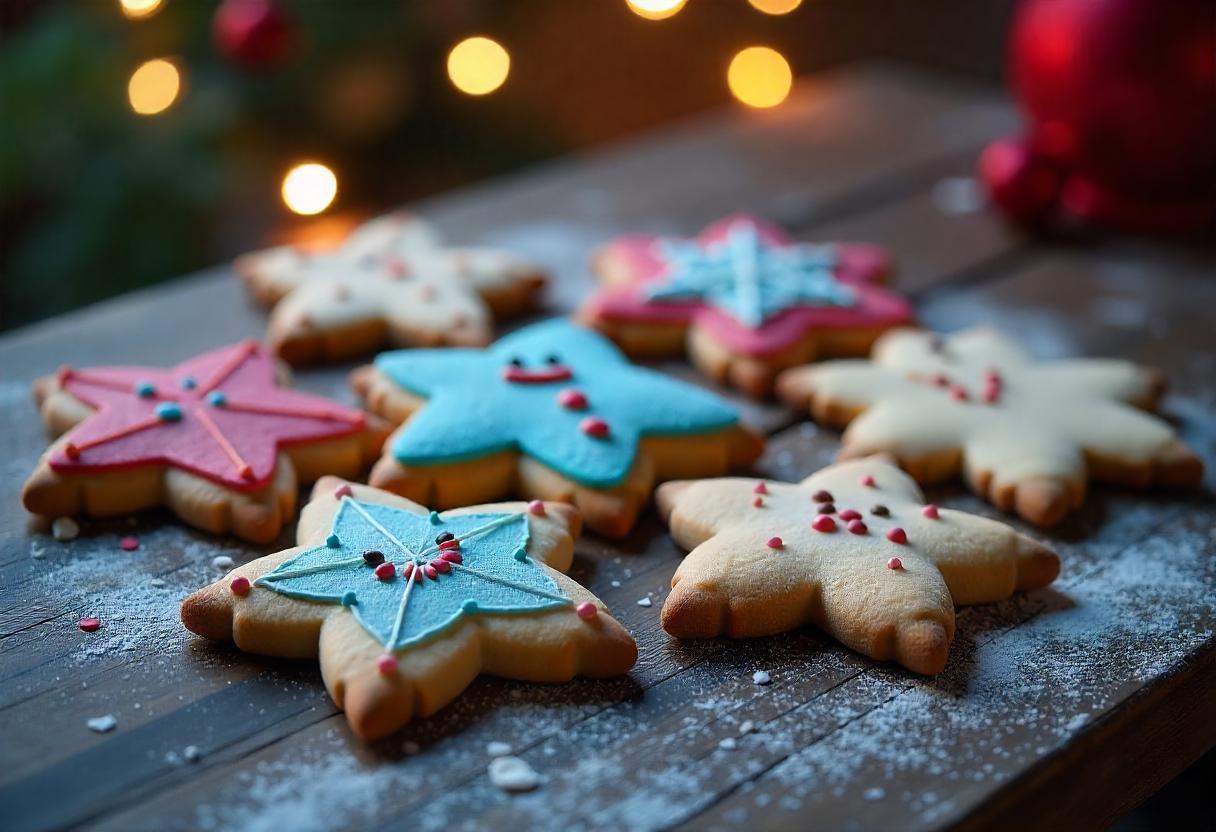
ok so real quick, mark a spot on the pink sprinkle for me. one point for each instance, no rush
(775, 543)
(430, 571)
(959, 394)
(572, 399)
(63, 373)
(868, 481)
(850, 514)
(450, 544)
(240, 586)
(857, 527)
(897, 535)
(586, 610)
(398, 268)
(992, 375)
(992, 395)
(441, 565)
(89, 625)
(758, 502)
(342, 490)
(386, 665)
(594, 427)
(941, 380)
(930, 511)
(386, 571)
(823, 523)
(129, 544)
(451, 556)
(407, 570)
(895, 563)
(537, 508)
(71, 450)
(760, 488)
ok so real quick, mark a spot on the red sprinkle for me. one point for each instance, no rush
(897, 535)
(850, 514)
(572, 399)
(129, 543)
(930, 511)
(430, 571)
(240, 586)
(959, 394)
(594, 426)
(586, 610)
(386, 664)
(537, 508)
(758, 502)
(441, 565)
(868, 481)
(71, 450)
(775, 543)
(386, 571)
(450, 544)
(760, 488)
(343, 490)
(941, 380)
(823, 523)
(63, 373)
(822, 496)
(895, 563)
(407, 570)
(857, 527)
(89, 625)
(451, 557)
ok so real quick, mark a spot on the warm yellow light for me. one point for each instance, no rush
(135, 9)
(655, 9)
(478, 65)
(759, 77)
(309, 188)
(153, 87)
(775, 6)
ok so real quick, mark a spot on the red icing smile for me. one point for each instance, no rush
(554, 372)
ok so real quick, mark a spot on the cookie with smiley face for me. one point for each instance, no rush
(553, 412)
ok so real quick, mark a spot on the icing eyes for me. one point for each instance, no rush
(516, 362)
(553, 359)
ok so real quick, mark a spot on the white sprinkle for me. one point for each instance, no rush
(728, 743)
(498, 749)
(616, 583)
(746, 727)
(874, 793)
(137, 706)
(222, 562)
(512, 774)
(761, 677)
(101, 724)
(410, 748)
(192, 753)
(645, 602)
(64, 528)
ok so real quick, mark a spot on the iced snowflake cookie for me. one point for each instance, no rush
(392, 282)
(1026, 435)
(406, 607)
(215, 439)
(553, 411)
(852, 549)
(743, 299)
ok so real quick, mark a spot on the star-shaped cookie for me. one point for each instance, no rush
(391, 282)
(743, 299)
(1027, 435)
(553, 411)
(214, 439)
(852, 549)
(405, 607)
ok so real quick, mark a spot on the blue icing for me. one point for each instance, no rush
(433, 605)
(473, 411)
(749, 280)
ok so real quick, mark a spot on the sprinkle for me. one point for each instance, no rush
(192, 753)
(449, 545)
(398, 268)
(452, 556)
(897, 535)
(71, 451)
(728, 743)
(349, 599)
(386, 664)
(521, 555)
(746, 727)
(444, 537)
(222, 562)
(930, 511)
(434, 518)
(880, 510)
(63, 373)
(586, 610)
(895, 563)
(469, 605)
(64, 528)
(498, 749)
(822, 496)
(991, 395)
(89, 625)
(373, 558)
(594, 427)
(441, 565)
(760, 488)
(385, 571)
(333, 541)
(430, 571)
(407, 570)
(512, 774)
(823, 523)
(188, 383)
(959, 394)
(827, 508)
(536, 508)
(572, 399)
(645, 602)
(857, 527)
(102, 724)
(129, 543)
(758, 502)
(941, 380)
(868, 481)
(216, 398)
(850, 514)
(240, 586)
(775, 543)
(761, 677)
(168, 412)
(145, 389)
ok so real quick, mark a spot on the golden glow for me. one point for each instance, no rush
(153, 87)
(759, 77)
(655, 9)
(775, 6)
(478, 65)
(309, 188)
(136, 9)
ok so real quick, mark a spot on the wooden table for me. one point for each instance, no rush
(1065, 706)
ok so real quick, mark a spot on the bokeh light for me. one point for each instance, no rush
(655, 9)
(153, 87)
(136, 9)
(478, 65)
(759, 77)
(309, 188)
(775, 6)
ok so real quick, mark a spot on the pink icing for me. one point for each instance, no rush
(860, 266)
(196, 442)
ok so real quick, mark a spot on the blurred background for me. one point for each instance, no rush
(141, 139)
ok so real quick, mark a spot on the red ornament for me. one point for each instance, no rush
(1120, 99)
(255, 34)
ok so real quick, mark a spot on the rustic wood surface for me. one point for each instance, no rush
(1064, 706)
